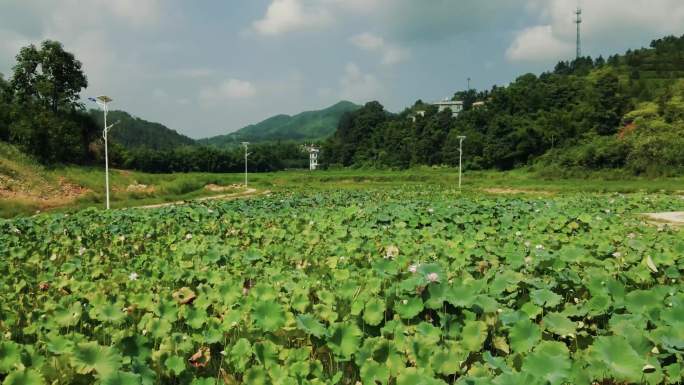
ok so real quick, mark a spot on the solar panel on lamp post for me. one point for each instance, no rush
(460, 159)
(103, 102)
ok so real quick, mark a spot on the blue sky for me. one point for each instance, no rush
(210, 67)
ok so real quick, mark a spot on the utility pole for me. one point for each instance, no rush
(578, 21)
(468, 85)
(103, 101)
(246, 145)
(460, 160)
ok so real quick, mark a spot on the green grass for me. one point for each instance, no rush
(177, 187)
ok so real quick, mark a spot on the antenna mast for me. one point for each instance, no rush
(578, 21)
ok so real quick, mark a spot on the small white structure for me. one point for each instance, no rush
(456, 106)
(416, 114)
(313, 157)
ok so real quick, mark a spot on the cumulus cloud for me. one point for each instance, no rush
(538, 44)
(357, 86)
(390, 53)
(605, 23)
(291, 15)
(228, 90)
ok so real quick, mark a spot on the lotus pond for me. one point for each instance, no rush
(401, 287)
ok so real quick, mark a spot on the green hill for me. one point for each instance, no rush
(624, 113)
(132, 132)
(309, 125)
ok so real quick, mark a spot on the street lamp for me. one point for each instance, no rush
(460, 159)
(246, 145)
(103, 101)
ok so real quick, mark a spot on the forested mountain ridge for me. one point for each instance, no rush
(305, 126)
(133, 132)
(623, 112)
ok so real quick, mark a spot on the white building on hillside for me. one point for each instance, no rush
(456, 106)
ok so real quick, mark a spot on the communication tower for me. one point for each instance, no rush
(578, 21)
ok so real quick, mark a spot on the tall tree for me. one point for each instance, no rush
(49, 76)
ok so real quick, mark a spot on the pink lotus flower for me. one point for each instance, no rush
(432, 277)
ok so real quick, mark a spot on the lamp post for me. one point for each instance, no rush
(460, 159)
(246, 145)
(103, 101)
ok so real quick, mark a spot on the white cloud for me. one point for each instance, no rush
(291, 15)
(605, 23)
(228, 90)
(368, 41)
(358, 86)
(390, 53)
(10, 43)
(538, 44)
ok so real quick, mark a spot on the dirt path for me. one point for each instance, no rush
(244, 194)
(674, 218)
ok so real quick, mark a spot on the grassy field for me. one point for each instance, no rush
(130, 188)
(26, 187)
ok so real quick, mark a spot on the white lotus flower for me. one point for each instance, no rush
(188, 236)
(82, 250)
(539, 247)
(413, 268)
(133, 276)
(617, 254)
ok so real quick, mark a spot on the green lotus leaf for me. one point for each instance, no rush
(109, 312)
(89, 356)
(640, 301)
(68, 316)
(461, 295)
(408, 308)
(374, 312)
(158, 328)
(615, 357)
(437, 295)
(175, 365)
(203, 381)
(58, 345)
(240, 354)
(311, 325)
(195, 317)
(10, 356)
(448, 361)
(137, 347)
(545, 298)
(266, 353)
(549, 362)
(121, 378)
(24, 377)
(344, 340)
(427, 333)
(524, 335)
(255, 376)
(411, 376)
(558, 324)
(167, 310)
(268, 315)
(373, 373)
(514, 378)
(474, 334)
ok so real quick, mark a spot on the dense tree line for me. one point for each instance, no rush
(41, 113)
(580, 104)
(262, 158)
(40, 109)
